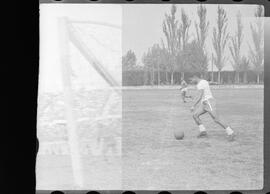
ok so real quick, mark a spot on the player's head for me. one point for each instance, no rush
(195, 78)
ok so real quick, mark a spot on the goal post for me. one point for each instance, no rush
(69, 35)
(69, 101)
(90, 57)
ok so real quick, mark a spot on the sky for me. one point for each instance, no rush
(142, 25)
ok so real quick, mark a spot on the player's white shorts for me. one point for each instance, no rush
(184, 90)
(209, 105)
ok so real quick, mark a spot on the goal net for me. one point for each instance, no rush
(84, 117)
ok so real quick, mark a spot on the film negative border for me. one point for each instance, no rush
(266, 4)
(261, 2)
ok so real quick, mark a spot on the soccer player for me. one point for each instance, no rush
(184, 90)
(205, 103)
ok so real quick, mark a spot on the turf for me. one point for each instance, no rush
(54, 172)
(152, 159)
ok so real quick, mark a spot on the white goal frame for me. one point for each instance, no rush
(67, 34)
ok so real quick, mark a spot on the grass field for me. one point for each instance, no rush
(153, 159)
(55, 173)
(53, 168)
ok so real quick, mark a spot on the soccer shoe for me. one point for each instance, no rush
(231, 137)
(202, 134)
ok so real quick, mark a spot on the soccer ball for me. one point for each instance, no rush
(178, 134)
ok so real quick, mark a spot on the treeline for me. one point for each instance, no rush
(141, 77)
(179, 55)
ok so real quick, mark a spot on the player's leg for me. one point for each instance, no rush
(210, 107)
(183, 93)
(196, 116)
(188, 96)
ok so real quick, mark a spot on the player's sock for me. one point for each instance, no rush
(202, 128)
(202, 131)
(229, 131)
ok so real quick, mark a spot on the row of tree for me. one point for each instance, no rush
(141, 77)
(179, 53)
